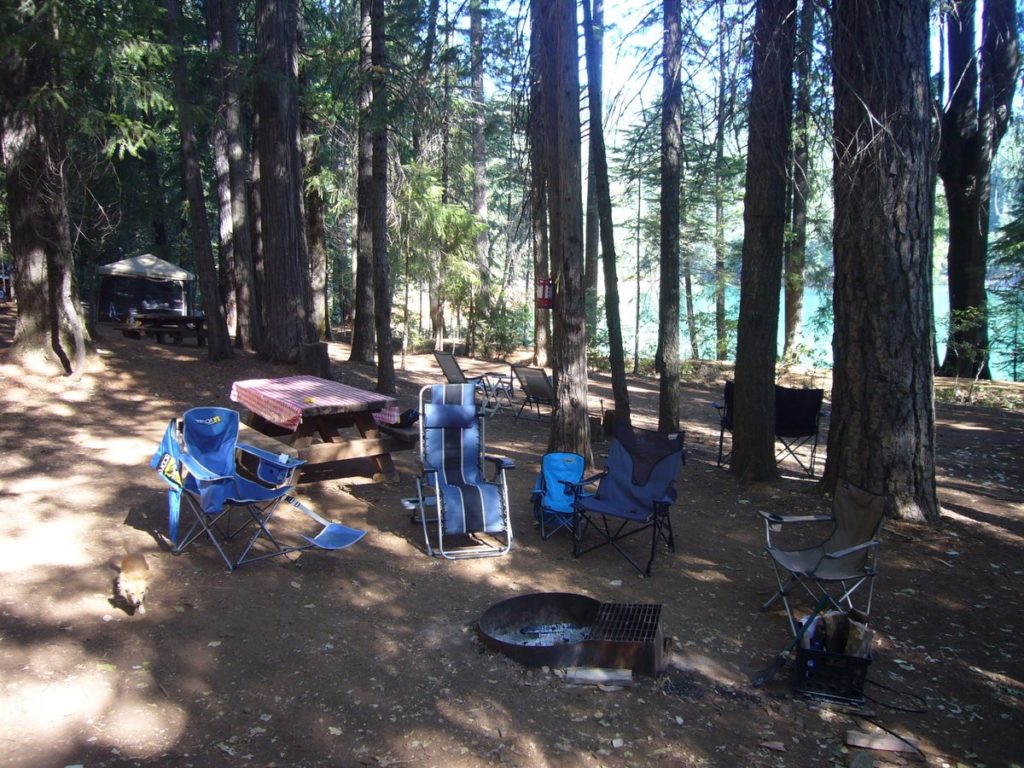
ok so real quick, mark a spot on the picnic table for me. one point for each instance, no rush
(299, 410)
(164, 325)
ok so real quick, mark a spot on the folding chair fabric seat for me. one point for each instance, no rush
(453, 479)
(198, 459)
(841, 564)
(552, 494)
(634, 494)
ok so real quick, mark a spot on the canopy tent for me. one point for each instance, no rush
(143, 283)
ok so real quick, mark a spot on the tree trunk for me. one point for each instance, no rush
(973, 124)
(219, 137)
(246, 326)
(882, 433)
(379, 210)
(316, 237)
(667, 358)
(482, 298)
(764, 227)
(570, 428)
(796, 243)
(539, 46)
(592, 30)
(50, 322)
(363, 333)
(721, 329)
(287, 299)
(218, 341)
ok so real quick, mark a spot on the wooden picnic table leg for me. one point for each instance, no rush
(368, 428)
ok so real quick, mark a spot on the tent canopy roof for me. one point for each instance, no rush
(146, 265)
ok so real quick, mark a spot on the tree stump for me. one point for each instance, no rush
(314, 360)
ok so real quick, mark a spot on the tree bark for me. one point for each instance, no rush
(482, 297)
(882, 433)
(796, 243)
(363, 328)
(379, 211)
(287, 299)
(570, 429)
(539, 241)
(592, 31)
(50, 321)
(973, 124)
(218, 341)
(764, 226)
(667, 357)
(219, 137)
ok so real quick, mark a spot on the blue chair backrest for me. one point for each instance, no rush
(451, 433)
(642, 468)
(554, 468)
(210, 435)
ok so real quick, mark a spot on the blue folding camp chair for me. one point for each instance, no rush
(552, 494)
(197, 460)
(634, 493)
(472, 518)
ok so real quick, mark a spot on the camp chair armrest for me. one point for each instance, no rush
(841, 553)
(500, 462)
(774, 518)
(282, 460)
(577, 488)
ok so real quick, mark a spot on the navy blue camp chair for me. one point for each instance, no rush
(552, 494)
(198, 459)
(471, 515)
(634, 494)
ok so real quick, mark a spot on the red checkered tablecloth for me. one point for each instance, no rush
(289, 400)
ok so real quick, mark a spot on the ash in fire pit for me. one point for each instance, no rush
(561, 629)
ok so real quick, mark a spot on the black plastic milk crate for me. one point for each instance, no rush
(832, 676)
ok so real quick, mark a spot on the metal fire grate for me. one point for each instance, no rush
(627, 622)
(561, 629)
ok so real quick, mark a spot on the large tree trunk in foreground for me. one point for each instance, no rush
(50, 322)
(882, 432)
(287, 300)
(569, 425)
(764, 227)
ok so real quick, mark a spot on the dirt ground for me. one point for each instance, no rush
(369, 656)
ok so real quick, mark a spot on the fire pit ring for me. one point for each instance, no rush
(561, 629)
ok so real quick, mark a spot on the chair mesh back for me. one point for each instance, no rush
(796, 411)
(450, 367)
(728, 398)
(554, 468)
(642, 468)
(858, 518)
(209, 435)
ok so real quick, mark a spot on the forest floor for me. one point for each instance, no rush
(370, 656)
